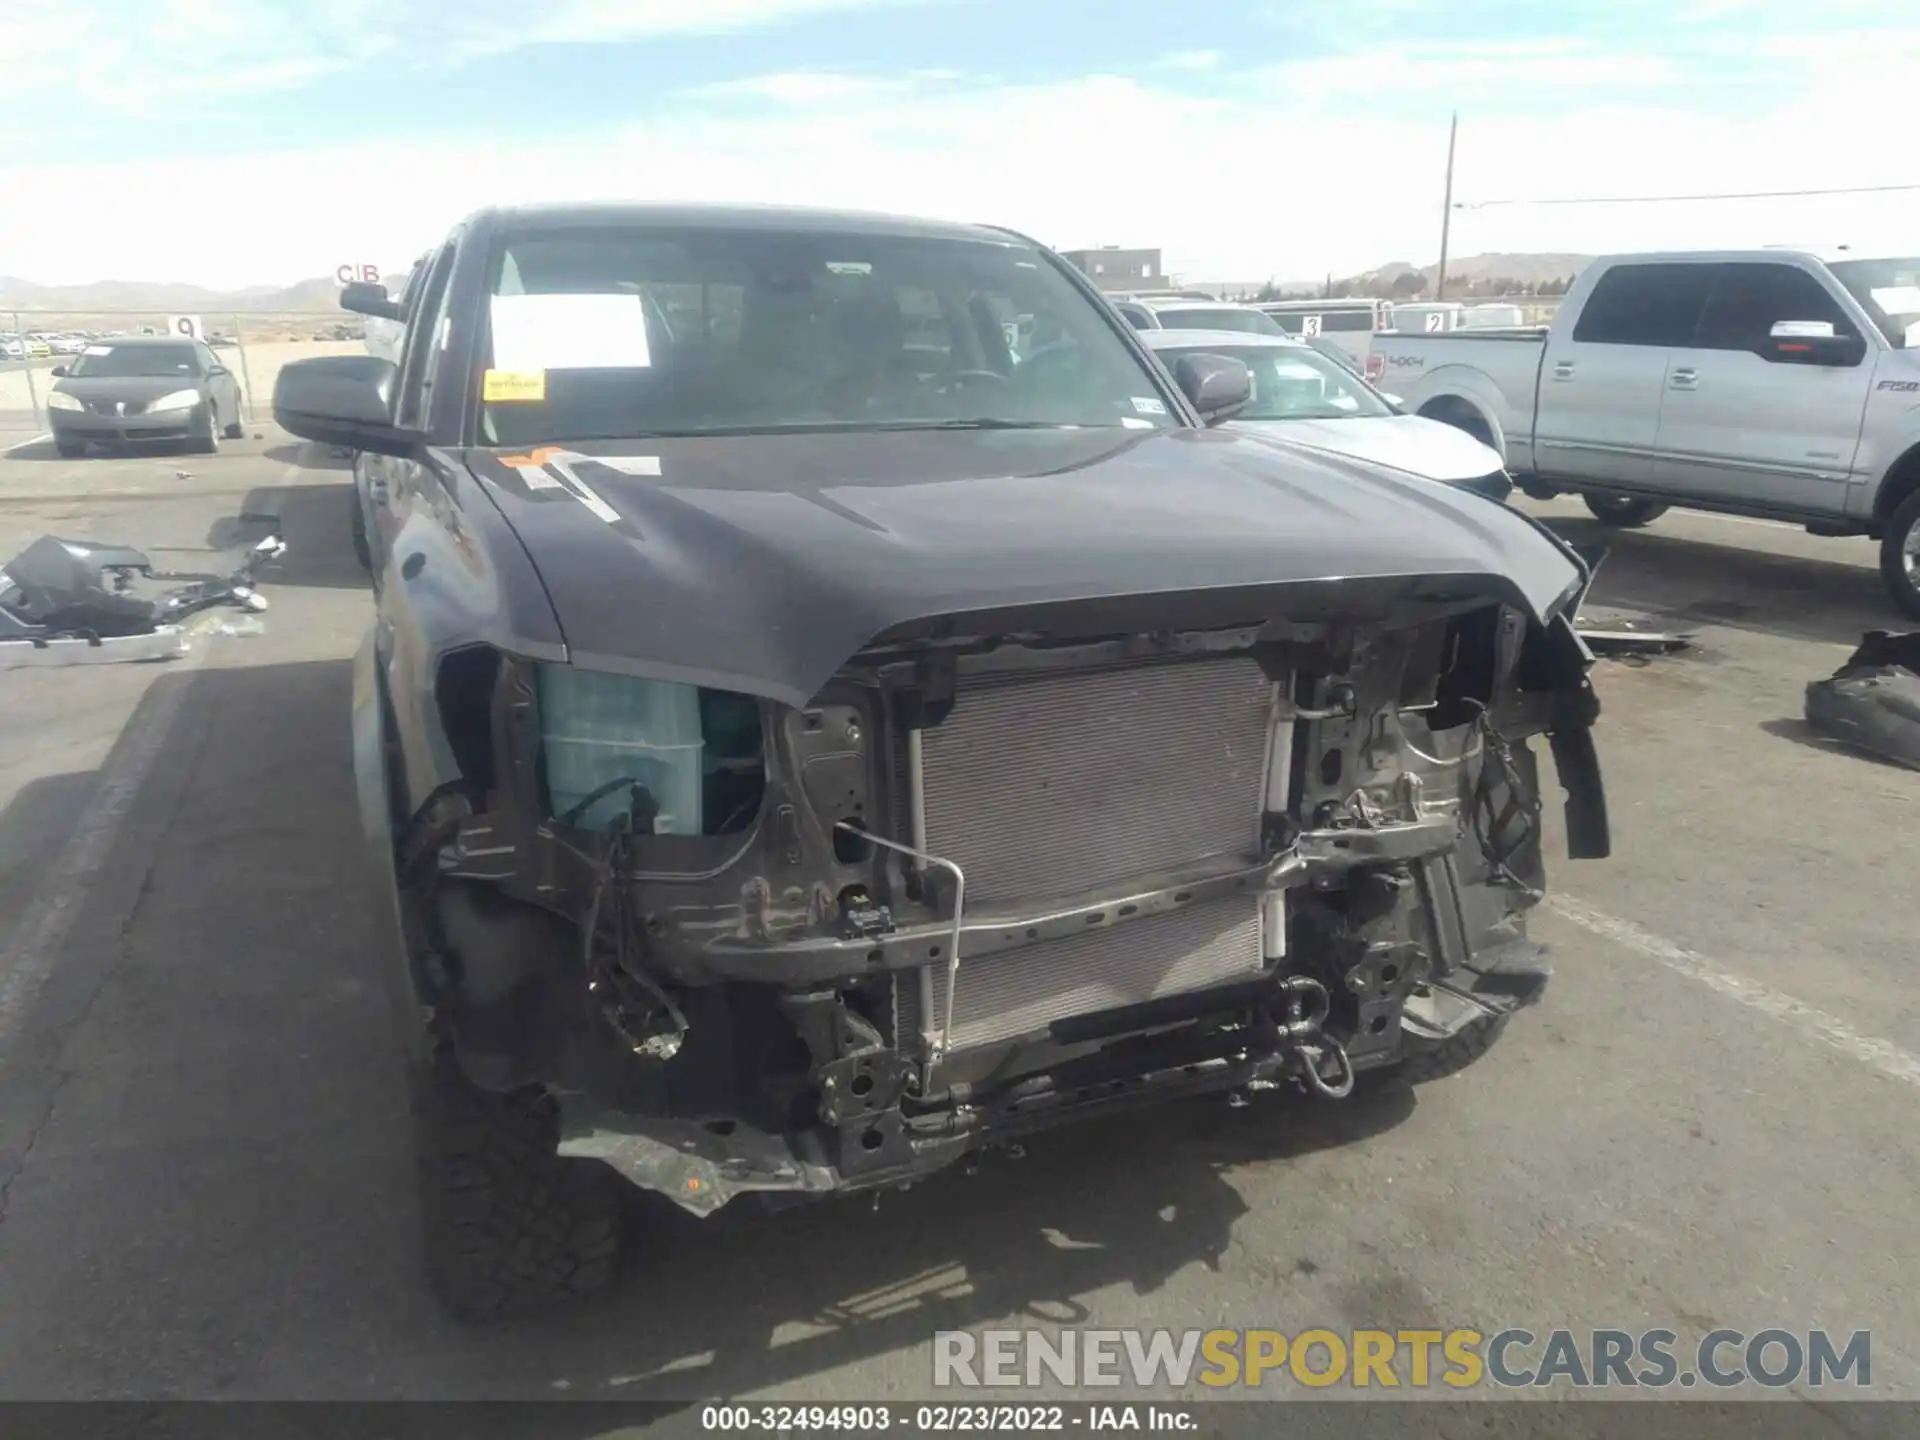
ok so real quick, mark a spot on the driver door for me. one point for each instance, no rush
(1738, 426)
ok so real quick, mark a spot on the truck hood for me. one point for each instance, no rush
(1419, 446)
(763, 563)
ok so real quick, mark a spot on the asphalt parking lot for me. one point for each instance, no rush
(205, 1185)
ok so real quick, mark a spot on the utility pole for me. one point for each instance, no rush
(1446, 211)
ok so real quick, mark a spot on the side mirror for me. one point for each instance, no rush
(366, 298)
(1812, 342)
(1217, 385)
(59, 370)
(344, 400)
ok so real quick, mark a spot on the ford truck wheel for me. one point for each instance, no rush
(1900, 555)
(1624, 511)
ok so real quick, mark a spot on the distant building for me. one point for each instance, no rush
(1112, 268)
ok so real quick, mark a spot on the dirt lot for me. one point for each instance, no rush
(206, 1177)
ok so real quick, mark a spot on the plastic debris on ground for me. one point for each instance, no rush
(1872, 702)
(77, 602)
(1622, 639)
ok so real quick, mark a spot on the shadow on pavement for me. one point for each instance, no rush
(1801, 733)
(748, 1301)
(315, 521)
(149, 449)
(310, 457)
(230, 1149)
(1681, 582)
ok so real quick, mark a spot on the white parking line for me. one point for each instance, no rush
(23, 444)
(1829, 1030)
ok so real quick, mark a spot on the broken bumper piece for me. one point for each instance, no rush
(1872, 702)
(169, 642)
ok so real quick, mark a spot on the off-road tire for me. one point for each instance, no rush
(1893, 569)
(1436, 1059)
(511, 1227)
(69, 449)
(1624, 511)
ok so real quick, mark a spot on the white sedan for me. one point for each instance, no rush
(1305, 398)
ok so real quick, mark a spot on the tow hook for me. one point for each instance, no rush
(1307, 1007)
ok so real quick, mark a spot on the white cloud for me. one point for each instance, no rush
(124, 58)
(809, 87)
(1253, 179)
(1190, 60)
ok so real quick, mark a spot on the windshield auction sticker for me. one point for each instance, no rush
(502, 387)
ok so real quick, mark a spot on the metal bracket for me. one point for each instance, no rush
(937, 1051)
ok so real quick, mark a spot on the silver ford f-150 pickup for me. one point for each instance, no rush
(1777, 383)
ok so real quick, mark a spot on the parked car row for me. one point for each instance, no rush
(45, 344)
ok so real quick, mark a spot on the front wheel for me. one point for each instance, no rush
(207, 442)
(1624, 511)
(511, 1227)
(1436, 1059)
(1900, 555)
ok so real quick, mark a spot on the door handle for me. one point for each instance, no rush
(1563, 369)
(1684, 379)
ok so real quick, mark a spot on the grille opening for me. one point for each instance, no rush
(849, 848)
(1126, 910)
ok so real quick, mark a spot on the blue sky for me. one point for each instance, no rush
(361, 128)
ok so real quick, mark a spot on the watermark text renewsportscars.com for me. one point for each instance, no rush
(1456, 1359)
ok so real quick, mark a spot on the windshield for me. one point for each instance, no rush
(1890, 292)
(1295, 383)
(1227, 317)
(613, 334)
(101, 361)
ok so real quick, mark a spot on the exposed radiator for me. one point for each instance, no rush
(1044, 786)
(1020, 992)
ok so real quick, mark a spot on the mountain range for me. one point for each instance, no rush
(320, 295)
(307, 297)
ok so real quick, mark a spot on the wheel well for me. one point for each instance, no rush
(1902, 480)
(1452, 410)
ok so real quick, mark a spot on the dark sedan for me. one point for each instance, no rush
(144, 388)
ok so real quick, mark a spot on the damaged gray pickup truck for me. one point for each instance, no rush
(837, 703)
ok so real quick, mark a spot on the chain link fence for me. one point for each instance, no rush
(253, 344)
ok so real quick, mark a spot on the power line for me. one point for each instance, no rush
(1669, 199)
